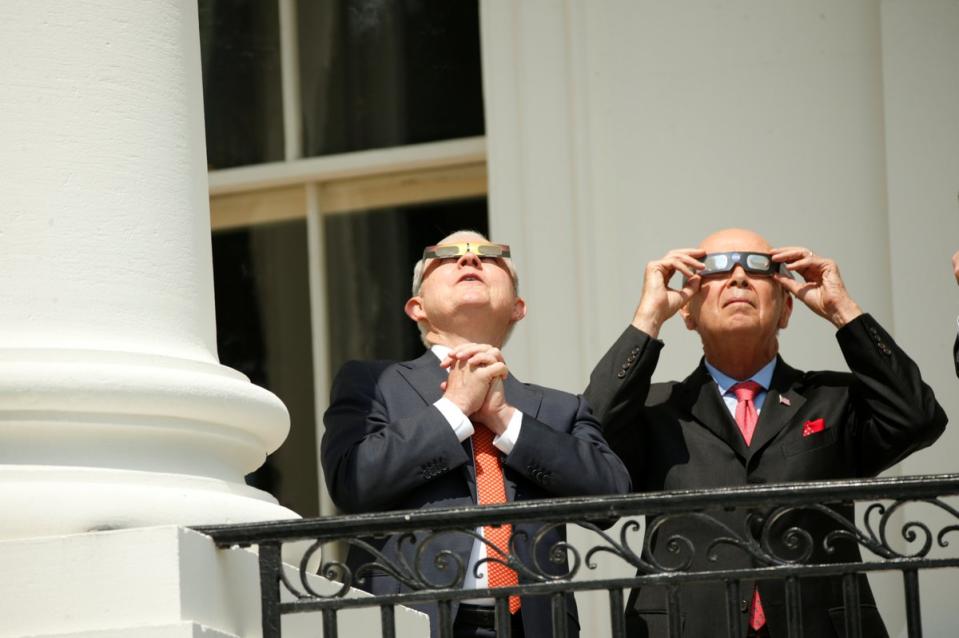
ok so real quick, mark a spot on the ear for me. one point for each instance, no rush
(414, 309)
(787, 310)
(688, 317)
(519, 310)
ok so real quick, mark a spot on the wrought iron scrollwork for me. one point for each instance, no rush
(767, 539)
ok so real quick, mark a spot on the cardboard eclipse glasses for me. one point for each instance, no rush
(481, 249)
(752, 263)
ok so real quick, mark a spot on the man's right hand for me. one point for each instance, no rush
(660, 302)
(955, 266)
(472, 368)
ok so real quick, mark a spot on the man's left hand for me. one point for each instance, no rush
(823, 290)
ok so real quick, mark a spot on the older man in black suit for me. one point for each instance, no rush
(746, 417)
(454, 428)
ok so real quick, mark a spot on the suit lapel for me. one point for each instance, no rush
(527, 401)
(780, 406)
(522, 397)
(707, 407)
(425, 376)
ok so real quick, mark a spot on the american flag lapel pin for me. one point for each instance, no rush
(784, 400)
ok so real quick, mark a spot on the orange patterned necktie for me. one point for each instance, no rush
(746, 419)
(491, 490)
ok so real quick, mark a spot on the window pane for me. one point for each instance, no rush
(242, 101)
(369, 265)
(387, 73)
(263, 330)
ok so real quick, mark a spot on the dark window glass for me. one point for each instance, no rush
(242, 100)
(369, 266)
(379, 73)
(263, 330)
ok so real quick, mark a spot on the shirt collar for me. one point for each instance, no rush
(440, 350)
(763, 377)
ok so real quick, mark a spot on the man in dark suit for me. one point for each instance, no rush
(418, 434)
(745, 417)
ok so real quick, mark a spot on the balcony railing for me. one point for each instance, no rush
(897, 538)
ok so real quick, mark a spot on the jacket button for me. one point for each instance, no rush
(744, 605)
(621, 374)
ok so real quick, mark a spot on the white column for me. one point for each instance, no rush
(114, 410)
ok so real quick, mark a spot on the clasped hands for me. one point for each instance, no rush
(821, 288)
(475, 384)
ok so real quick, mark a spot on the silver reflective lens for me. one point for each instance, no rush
(443, 252)
(716, 262)
(758, 262)
(491, 250)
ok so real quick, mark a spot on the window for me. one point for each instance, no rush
(342, 137)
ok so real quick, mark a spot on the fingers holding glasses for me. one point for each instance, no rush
(659, 302)
(822, 290)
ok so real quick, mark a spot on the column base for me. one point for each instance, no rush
(48, 501)
(159, 582)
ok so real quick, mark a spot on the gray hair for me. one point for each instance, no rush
(420, 267)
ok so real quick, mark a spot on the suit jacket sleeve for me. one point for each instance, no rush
(895, 412)
(617, 391)
(955, 354)
(573, 462)
(371, 461)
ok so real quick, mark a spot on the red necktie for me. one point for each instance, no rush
(746, 418)
(490, 490)
(746, 415)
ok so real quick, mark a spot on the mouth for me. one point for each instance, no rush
(470, 277)
(737, 302)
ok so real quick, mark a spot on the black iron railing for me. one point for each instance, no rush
(898, 540)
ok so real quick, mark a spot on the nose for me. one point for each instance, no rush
(469, 259)
(738, 277)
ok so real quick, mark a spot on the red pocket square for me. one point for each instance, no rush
(811, 427)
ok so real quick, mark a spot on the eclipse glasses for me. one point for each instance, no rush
(481, 249)
(752, 263)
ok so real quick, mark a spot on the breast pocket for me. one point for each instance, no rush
(815, 441)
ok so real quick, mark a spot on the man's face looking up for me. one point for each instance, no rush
(467, 282)
(736, 302)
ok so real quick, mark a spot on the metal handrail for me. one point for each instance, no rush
(762, 508)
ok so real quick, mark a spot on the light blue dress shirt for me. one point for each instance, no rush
(725, 382)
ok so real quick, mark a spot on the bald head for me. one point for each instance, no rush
(735, 239)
